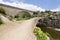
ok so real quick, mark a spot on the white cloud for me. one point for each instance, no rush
(23, 5)
(13, 0)
(57, 9)
(1, 1)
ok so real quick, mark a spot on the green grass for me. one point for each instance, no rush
(18, 19)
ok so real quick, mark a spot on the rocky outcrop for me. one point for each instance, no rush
(53, 21)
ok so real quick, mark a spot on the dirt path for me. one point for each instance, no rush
(18, 31)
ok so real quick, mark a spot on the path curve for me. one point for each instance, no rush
(18, 31)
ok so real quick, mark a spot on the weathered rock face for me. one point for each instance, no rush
(51, 20)
(55, 23)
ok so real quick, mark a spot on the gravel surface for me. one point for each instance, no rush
(17, 31)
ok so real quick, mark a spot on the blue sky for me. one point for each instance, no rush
(45, 4)
(37, 4)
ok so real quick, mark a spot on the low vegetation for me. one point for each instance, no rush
(24, 16)
(1, 22)
(39, 34)
(2, 11)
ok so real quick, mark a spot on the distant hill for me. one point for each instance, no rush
(11, 10)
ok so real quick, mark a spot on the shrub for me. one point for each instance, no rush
(39, 34)
(17, 16)
(24, 15)
(2, 11)
(1, 22)
(9, 17)
(35, 14)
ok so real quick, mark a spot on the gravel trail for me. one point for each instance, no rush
(17, 31)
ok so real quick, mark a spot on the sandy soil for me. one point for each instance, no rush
(17, 31)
